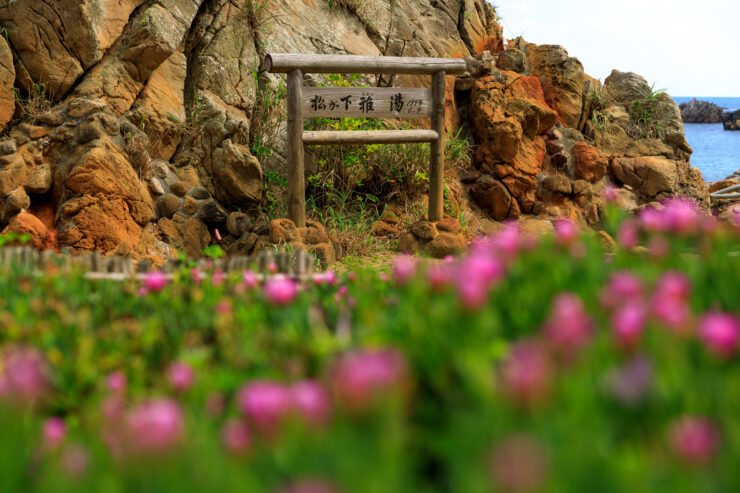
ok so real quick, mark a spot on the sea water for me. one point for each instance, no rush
(716, 151)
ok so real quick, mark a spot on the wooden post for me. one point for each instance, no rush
(296, 176)
(437, 158)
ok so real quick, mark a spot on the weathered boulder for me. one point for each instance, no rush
(696, 111)
(7, 78)
(237, 175)
(654, 126)
(159, 110)
(185, 234)
(590, 163)
(28, 224)
(16, 201)
(56, 42)
(313, 239)
(509, 116)
(562, 78)
(495, 200)
(154, 35)
(654, 178)
(437, 240)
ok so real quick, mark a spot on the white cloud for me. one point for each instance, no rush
(687, 47)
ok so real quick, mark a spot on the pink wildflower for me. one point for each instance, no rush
(24, 376)
(611, 194)
(566, 232)
(181, 376)
(54, 432)
(519, 464)
(720, 333)
(628, 323)
(630, 383)
(693, 439)
(311, 401)
(280, 290)
(525, 374)
(74, 460)
(236, 436)
(622, 288)
(116, 382)
(218, 278)
(197, 275)
(681, 216)
(155, 281)
(628, 235)
(439, 276)
(250, 279)
(360, 377)
(670, 302)
(569, 327)
(265, 403)
(155, 426)
(404, 268)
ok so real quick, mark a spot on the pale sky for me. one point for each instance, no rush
(690, 47)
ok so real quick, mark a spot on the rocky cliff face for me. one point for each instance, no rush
(696, 111)
(126, 126)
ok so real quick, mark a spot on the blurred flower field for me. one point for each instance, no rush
(529, 364)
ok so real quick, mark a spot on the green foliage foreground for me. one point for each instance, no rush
(529, 365)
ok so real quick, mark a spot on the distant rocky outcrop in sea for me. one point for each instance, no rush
(731, 120)
(696, 111)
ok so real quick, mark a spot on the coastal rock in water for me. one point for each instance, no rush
(696, 111)
(731, 120)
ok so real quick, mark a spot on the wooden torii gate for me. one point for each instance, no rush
(383, 102)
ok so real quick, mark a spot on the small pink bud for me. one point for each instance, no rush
(74, 460)
(628, 235)
(311, 401)
(693, 439)
(224, 307)
(236, 436)
(309, 486)
(117, 382)
(566, 232)
(519, 464)
(622, 288)
(54, 432)
(611, 194)
(360, 377)
(250, 279)
(569, 326)
(218, 278)
(181, 376)
(525, 374)
(404, 268)
(24, 376)
(217, 234)
(197, 275)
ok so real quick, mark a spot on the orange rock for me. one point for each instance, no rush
(28, 224)
(102, 225)
(719, 185)
(7, 77)
(590, 163)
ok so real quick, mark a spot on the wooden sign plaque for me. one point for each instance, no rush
(371, 102)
